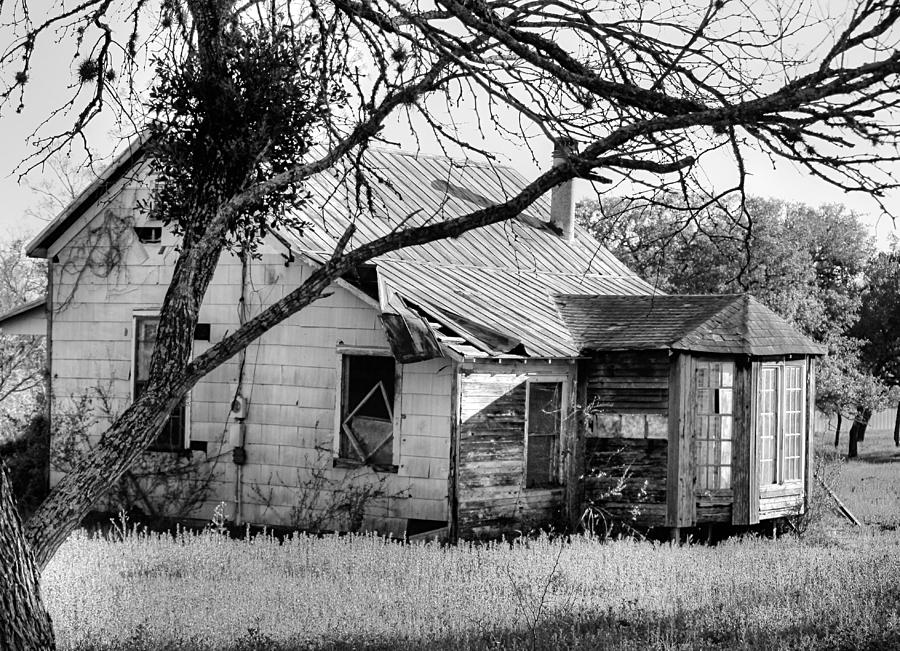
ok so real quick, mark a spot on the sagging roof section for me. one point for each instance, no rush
(735, 324)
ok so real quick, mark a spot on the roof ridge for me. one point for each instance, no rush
(438, 265)
(462, 162)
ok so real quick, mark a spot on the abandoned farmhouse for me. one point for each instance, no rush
(496, 382)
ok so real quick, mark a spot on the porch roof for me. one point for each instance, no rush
(729, 324)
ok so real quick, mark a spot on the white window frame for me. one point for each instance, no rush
(563, 401)
(154, 314)
(696, 424)
(343, 351)
(780, 418)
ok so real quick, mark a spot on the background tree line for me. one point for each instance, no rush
(816, 266)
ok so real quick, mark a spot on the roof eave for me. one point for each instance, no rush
(22, 309)
(39, 246)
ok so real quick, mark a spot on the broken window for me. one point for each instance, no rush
(543, 424)
(171, 437)
(713, 413)
(367, 409)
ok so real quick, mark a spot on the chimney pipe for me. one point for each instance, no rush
(562, 200)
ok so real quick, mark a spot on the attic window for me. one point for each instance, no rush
(149, 234)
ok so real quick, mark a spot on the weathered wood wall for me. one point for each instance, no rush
(104, 275)
(491, 493)
(626, 447)
(629, 382)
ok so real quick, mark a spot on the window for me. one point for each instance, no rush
(780, 423)
(172, 436)
(543, 423)
(713, 410)
(366, 426)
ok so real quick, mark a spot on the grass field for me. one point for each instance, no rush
(833, 588)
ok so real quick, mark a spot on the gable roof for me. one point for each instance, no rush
(730, 324)
(40, 243)
(494, 283)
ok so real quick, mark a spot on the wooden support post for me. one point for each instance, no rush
(681, 503)
(453, 475)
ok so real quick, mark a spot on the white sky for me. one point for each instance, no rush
(51, 77)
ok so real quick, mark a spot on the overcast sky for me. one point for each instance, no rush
(50, 81)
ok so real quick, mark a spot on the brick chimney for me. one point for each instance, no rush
(562, 200)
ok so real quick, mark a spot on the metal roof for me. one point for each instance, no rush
(501, 278)
(416, 189)
(730, 324)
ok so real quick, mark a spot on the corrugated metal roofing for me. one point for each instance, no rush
(411, 190)
(731, 324)
(515, 303)
(503, 277)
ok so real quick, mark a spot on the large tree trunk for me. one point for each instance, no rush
(858, 430)
(863, 416)
(852, 451)
(837, 430)
(897, 427)
(24, 622)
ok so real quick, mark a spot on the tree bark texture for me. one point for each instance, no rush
(837, 430)
(24, 622)
(863, 417)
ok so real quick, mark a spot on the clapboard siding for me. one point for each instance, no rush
(629, 382)
(629, 476)
(290, 373)
(779, 503)
(491, 493)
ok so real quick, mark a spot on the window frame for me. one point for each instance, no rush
(339, 390)
(136, 316)
(699, 490)
(563, 380)
(779, 481)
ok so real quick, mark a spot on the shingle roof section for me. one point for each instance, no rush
(729, 324)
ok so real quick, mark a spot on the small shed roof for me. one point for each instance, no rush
(729, 324)
(25, 319)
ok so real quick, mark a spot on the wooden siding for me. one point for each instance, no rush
(680, 467)
(626, 478)
(491, 493)
(632, 382)
(289, 378)
(743, 464)
(627, 394)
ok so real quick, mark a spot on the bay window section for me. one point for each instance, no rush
(780, 423)
(713, 404)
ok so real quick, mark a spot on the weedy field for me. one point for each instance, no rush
(831, 588)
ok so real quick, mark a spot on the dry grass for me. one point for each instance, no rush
(870, 484)
(838, 590)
